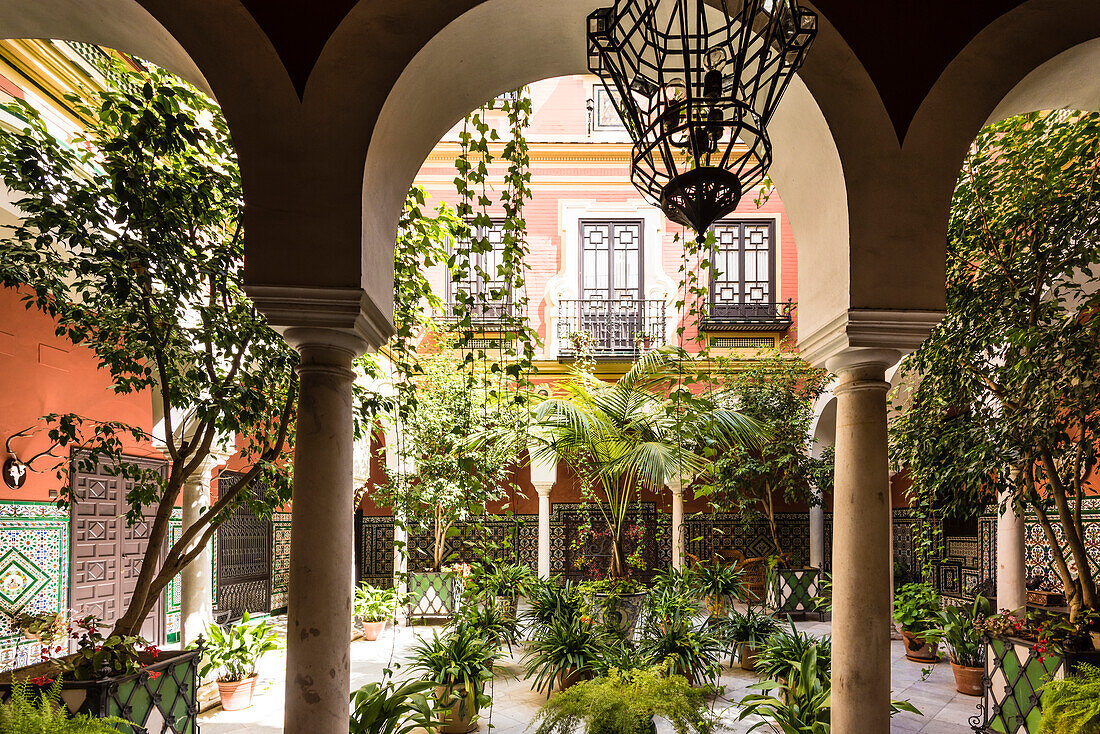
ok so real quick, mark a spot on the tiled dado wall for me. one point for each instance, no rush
(34, 571)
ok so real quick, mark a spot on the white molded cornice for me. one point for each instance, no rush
(899, 330)
(346, 310)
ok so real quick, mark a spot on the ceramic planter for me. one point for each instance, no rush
(455, 708)
(622, 613)
(161, 697)
(917, 650)
(968, 681)
(748, 656)
(571, 677)
(237, 694)
(373, 630)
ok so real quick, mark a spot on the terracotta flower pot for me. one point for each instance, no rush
(748, 656)
(372, 630)
(455, 708)
(571, 677)
(968, 681)
(236, 694)
(918, 650)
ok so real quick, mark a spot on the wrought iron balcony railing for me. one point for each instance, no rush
(748, 316)
(481, 313)
(619, 328)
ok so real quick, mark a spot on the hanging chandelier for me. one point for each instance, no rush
(695, 83)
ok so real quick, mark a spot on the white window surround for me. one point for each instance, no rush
(565, 285)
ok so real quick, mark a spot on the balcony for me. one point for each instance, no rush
(619, 329)
(748, 316)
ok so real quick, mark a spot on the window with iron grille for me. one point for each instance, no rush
(743, 276)
(487, 302)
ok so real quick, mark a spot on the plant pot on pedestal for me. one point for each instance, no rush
(432, 594)
(621, 612)
(917, 650)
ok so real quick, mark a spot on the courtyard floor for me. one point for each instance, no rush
(514, 703)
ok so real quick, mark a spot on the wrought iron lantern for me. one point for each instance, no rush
(696, 82)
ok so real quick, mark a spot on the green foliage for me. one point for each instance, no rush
(43, 712)
(392, 708)
(749, 627)
(917, 610)
(1072, 705)
(625, 703)
(780, 659)
(550, 599)
(563, 645)
(507, 579)
(779, 390)
(800, 704)
(235, 650)
(683, 646)
(376, 603)
(95, 654)
(718, 580)
(670, 602)
(963, 638)
(461, 658)
(1003, 395)
(490, 622)
(130, 239)
(630, 436)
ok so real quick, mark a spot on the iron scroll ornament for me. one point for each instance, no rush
(696, 83)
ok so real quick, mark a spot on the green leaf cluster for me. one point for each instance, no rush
(235, 650)
(43, 712)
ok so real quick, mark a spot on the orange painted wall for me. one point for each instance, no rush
(42, 373)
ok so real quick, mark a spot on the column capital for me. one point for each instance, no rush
(201, 475)
(858, 328)
(543, 488)
(347, 311)
(676, 486)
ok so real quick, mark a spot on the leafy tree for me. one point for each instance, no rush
(131, 241)
(632, 435)
(448, 478)
(1005, 395)
(778, 390)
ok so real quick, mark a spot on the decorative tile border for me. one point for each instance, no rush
(34, 571)
(172, 594)
(280, 559)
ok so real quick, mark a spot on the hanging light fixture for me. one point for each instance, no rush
(696, 82)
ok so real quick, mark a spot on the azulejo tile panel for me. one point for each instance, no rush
(34, 570)
(174, 591)
(280, 559)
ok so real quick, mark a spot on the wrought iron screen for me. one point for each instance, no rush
(244, 558)
(622, 327)
(490, 297)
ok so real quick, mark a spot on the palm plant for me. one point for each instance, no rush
(686, 648)
(639, 433)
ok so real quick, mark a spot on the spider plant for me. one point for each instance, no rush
(665, 603)
(781, 656)
(499, 629)
(461, 660)
(550, 600)
(565, 648)
(686, 648)
(718, 581)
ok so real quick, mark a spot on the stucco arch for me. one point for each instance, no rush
(463, 65)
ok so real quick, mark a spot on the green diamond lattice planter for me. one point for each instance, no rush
(434, 595)
(1013, 684)
(159, 699)
(794, 590)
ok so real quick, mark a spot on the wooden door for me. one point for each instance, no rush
(107, 554)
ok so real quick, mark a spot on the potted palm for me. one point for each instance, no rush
(625, 702)
(917, 609)
(965, 645)
(374, 606)
(234, 652)
(748, 631)
(683, 646)
(457, 663)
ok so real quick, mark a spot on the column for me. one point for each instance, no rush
(196, 584)
(322, 538)
(1011, 563)
(817, 531)
(678, 545)
(396, 465)
(861, 544)
(544, 474)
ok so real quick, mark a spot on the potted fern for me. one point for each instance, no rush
(625, 702)
(47, 713)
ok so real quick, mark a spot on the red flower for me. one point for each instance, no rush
(41, 681)
(153, 650)
(154, 674)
